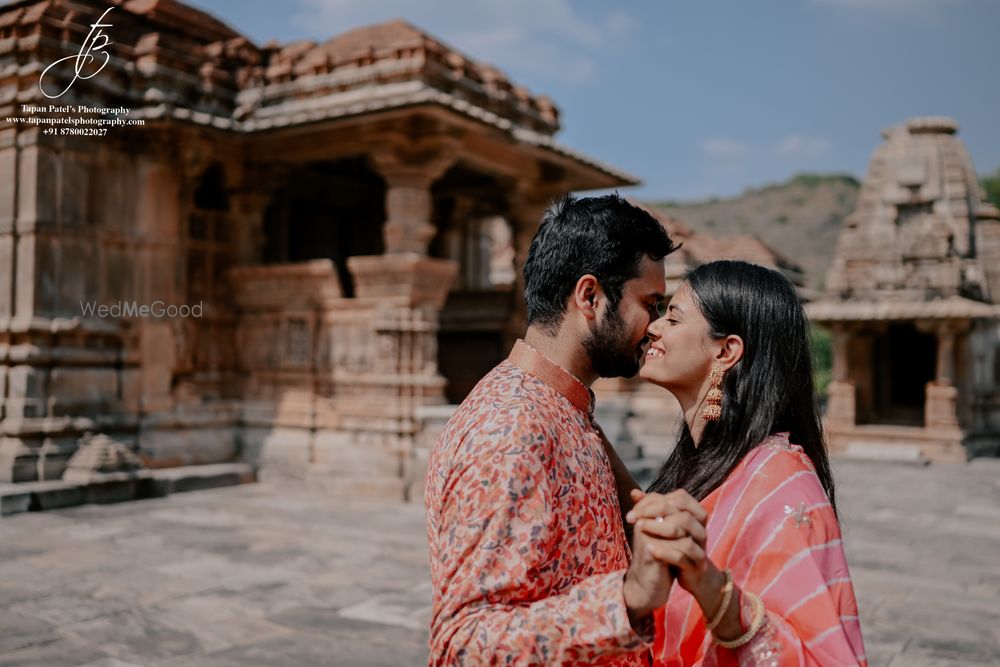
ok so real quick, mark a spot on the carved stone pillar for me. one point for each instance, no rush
(945, 356)
(940, 411)
(409, 173)
(406, 293)
(405, 277)
(249, 208)
(406, 290)
(841, 339)
(841, 406)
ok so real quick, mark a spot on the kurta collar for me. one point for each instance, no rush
(534, 362)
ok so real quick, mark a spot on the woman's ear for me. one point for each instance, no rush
(730, 351)
(587, 295)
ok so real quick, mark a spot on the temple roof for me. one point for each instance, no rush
(922, 228)
(390, 39)
(377, 40)
(188, 66)
(397, 51)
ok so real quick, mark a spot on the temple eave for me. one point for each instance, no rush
(829, 310)
(585, 172)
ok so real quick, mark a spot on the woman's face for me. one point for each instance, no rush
(681, 352)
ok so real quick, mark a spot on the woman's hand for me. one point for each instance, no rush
(679, 521)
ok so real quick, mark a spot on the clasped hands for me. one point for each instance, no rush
(669, 539)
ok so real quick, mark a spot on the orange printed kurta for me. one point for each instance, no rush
(527, 548)
(770, 522)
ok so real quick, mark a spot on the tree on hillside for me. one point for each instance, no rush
(822, 348)
(991, 184)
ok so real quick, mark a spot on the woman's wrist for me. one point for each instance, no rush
(720, 610)
(710, 592)
(711, 596)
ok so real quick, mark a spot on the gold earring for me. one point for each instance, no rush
(713, 399)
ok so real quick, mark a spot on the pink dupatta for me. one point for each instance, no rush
(770, 522)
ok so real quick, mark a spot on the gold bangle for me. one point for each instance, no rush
(755, 624)
(727, 595)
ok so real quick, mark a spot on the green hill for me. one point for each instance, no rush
(799, 218)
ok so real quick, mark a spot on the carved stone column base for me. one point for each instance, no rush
(940, 407)
(414, 279)
(18, 462)
(841, 407)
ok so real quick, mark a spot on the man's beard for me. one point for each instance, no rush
(611, 352)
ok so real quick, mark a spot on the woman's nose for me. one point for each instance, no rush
(654, 328)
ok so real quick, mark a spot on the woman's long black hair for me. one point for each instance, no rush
(769, 390)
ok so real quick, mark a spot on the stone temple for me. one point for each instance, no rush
(350, 219)
(912, 299)
(347, 222)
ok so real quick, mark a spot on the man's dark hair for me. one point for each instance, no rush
(606, 237)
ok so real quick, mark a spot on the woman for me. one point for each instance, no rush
(769, 585)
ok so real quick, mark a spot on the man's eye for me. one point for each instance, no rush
(660, 309)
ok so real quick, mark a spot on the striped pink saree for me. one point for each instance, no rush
(771, 524)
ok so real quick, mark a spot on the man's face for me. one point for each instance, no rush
(616, 344)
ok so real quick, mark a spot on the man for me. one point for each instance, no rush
(529, 559)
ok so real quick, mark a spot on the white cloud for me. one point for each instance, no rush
(724, 148)
(547, 38)
(799, 146)
(620, 24)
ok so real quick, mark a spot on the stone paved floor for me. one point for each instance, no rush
(261, 575)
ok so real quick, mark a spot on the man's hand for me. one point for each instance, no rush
(647, 582)
(670, 529)
(679, 542)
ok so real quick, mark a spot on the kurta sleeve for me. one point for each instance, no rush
(493, 550)
(790, 553)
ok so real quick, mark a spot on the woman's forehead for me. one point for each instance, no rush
(682, 296)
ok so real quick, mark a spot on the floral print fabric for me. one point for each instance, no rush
(527, 548)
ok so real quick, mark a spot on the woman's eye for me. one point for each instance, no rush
(672, 321)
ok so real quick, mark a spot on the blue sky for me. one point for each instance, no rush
(708, 98)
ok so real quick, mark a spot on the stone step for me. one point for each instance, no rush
(895, 452)
(199, 477)
(121, 486)
(13, 499)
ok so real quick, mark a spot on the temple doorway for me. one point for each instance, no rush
(903, 362)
